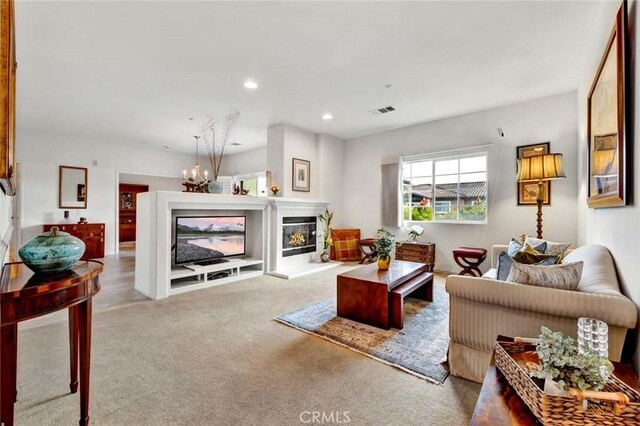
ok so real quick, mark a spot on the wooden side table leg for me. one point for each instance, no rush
(84, 322)
(73, 348)
(8, 362)
(396, 306)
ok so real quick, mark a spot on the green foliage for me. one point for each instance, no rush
(384, 242)
(326, 218)
(473, 212)
(419, 214)
(560, 361)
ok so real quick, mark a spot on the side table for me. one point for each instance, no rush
(24, 295)
(499, 404)
(418, 252)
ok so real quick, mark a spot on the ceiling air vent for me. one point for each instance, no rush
(236, 144)
(382, 110)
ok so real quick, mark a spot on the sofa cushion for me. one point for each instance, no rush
(531, 258)
(515, 246)
(563, 277)
(347, 250)
(599, 272)
(505, 263)
(556, 249)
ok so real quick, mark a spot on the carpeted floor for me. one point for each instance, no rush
(216, 357)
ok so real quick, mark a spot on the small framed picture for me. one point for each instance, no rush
(301, 175)
(82, 192)
(528, 191)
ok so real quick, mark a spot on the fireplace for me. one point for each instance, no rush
(298, 235)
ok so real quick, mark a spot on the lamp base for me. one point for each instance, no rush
(539, 202)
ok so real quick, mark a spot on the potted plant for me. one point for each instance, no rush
(384, 243)
(326, 218)
(563, 367)
(415, 231)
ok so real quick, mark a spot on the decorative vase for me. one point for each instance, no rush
(51, 252)
(384, 262)
(215, 187)
(324, 257)
(551, 387)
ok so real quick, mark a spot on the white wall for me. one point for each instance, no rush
(40, 155)
(548, 119)
(246, 162)
(330, 174)
(156, 183)
(618, 229)
(300, 143)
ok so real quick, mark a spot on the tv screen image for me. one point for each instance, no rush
(200, 239)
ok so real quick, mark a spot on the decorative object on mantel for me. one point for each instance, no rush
(326, 218)
(609, 139)
(215, 149)
(415, 231)
(274, 190)
(300, 175)
(51, 252)
(238, 189)
(540, 168)
(528, 191)
(384, 242)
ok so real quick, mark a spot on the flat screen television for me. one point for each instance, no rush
(209, 238)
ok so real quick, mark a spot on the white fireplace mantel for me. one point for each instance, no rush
(155, 216)
(302, 264)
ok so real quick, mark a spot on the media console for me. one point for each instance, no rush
(193, 277)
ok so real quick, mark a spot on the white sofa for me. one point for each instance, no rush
(483, 308)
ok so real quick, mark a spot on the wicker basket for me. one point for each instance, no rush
(616, 405)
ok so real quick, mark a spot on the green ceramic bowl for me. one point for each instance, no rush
(52, 252)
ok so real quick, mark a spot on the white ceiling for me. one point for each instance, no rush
(128, 72)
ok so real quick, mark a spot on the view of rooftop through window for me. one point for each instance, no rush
(445, 189)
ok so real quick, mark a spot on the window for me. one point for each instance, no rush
(445, 188)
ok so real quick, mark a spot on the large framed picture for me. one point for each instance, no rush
(8, 69)
(608, 183)
(301, 175)
(528, 191)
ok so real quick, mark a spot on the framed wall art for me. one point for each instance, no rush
(607, 136)
(528, 191)
(301, 175)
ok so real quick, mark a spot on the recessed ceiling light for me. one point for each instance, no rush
(250, 84)
(327, 116)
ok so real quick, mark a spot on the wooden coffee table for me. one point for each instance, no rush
(375, 297)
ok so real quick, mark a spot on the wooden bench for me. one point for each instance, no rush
(420, 287)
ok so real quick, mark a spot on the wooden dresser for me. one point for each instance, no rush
(418, 252)
(128, 207)
(91, 233)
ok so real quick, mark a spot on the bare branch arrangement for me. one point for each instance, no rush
(215, 148)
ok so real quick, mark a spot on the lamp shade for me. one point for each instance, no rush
(540, 167)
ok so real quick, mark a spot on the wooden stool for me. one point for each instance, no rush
(368, 250)
(469, 258)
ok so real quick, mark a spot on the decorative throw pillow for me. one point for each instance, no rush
(505, 262)
(563, 277)
(515, 246)
(347, 250)
(556, 249)
(531, 258)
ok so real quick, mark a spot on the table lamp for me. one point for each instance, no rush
(540, 168)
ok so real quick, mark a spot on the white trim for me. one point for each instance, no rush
(443, 155)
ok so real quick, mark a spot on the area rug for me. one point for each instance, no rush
(420, 348)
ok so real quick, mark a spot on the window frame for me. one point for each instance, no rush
(444, 156)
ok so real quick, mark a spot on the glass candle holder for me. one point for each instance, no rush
(593, 337)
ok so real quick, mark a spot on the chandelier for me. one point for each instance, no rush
(195, 182)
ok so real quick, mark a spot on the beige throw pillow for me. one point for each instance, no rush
(563, 277)
(554, 249)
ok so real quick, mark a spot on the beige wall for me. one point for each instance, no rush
(618, 229)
